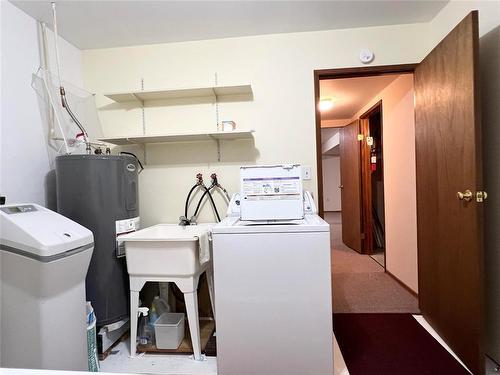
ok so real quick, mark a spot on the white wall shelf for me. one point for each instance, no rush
(217, 93)
(179, 137)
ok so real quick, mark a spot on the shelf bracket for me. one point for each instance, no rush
(217, 141)
(137, 98)
(217, 119)
(145, 153)
(218, 150)
(143, 112)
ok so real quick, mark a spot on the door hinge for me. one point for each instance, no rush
(360, 137)
(363, 236)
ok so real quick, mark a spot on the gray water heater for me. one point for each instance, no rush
(100, 192)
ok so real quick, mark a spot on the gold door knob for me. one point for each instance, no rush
(341, 186)
(465, 196)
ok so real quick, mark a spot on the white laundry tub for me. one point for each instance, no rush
(168, 253)
(164, 249)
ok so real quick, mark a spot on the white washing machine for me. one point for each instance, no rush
(273, 285)
(44, 258)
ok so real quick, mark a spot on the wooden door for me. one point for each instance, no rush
(350, 186)
(448, 157)
(366, 188)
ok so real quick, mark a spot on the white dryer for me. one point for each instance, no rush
(273, 293)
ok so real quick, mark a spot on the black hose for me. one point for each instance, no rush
(207, 191)
(187, 200)
(201, 199)
(136, 158)
(213, 204)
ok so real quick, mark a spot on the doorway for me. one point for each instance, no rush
(372, 183)
(360, 105)
(448, 184)
(353, 149)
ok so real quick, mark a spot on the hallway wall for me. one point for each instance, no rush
(399, 178)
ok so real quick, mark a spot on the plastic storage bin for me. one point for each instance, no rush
(169, 330)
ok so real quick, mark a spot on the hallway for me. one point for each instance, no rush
(360, 284)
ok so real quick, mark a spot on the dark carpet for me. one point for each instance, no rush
(391, 344)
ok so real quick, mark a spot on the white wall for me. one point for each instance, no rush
(331, 183)
(330, 138)
(489, 56)
(399, 178)
(280, 69)
(25, 158)
(25, 161)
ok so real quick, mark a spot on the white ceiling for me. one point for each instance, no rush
(350, 95)
(100, 24)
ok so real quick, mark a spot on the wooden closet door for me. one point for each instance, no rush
(350, 178)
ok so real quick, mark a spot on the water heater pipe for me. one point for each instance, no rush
(62, 92)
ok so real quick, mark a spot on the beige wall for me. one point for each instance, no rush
(399, 178)
(280, 69)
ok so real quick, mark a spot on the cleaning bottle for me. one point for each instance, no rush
(160, 306)
(142, 331)
(150, 328)
(153, 315)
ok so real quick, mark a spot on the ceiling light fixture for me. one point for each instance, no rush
(325, 104)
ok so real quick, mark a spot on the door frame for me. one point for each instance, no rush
(366, 186)
(354, 72)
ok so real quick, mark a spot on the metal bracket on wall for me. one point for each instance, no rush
(217, 120)
(144, 153)
(217, 141)
(142, 108)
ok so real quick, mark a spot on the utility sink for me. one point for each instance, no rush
(164, 249)
(169, 253)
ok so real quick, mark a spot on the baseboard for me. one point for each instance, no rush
(415, 294)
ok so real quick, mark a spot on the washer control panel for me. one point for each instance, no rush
(9, 210)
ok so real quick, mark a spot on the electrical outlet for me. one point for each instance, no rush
(306, 172)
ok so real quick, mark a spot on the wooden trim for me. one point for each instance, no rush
(366, 188)
(366, 178)
(413, 293)
(319, 149)
(364, 71)
(322, 74)
(373, 109)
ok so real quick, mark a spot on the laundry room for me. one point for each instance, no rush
(167, 205)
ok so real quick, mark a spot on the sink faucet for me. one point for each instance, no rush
(183, 221)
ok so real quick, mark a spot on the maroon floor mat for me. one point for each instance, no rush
(391, 344)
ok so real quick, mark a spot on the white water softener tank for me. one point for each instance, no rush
(44, 258)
